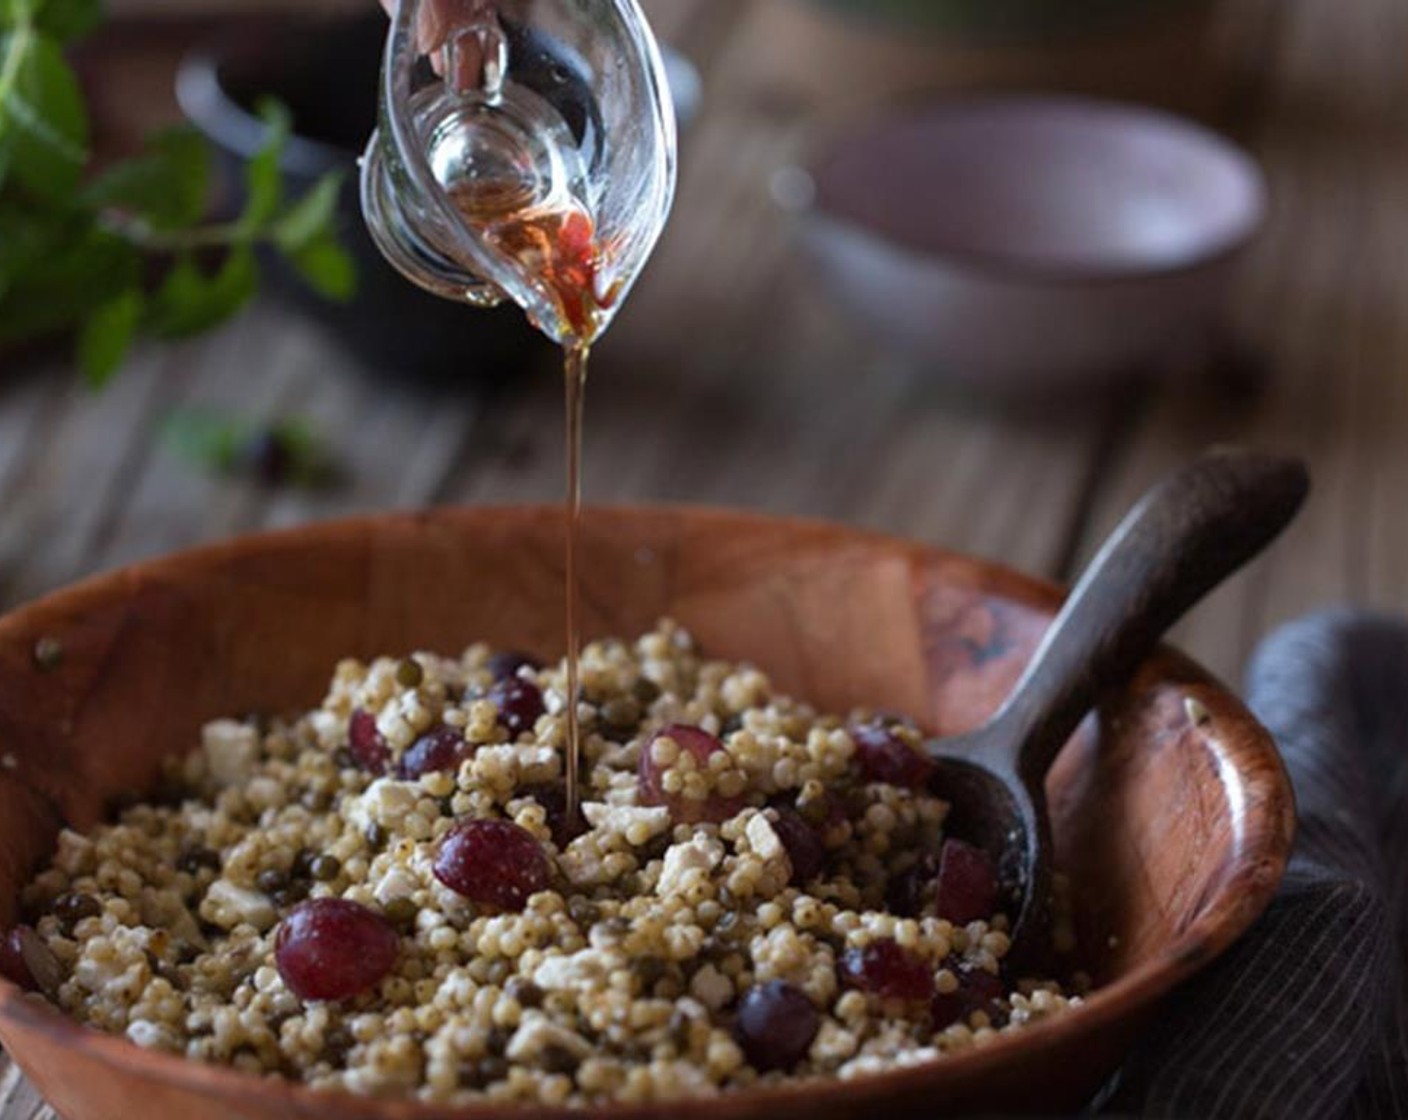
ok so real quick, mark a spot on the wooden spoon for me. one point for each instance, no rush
(1187, 535)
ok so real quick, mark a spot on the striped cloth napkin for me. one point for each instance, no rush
(1308, 1015)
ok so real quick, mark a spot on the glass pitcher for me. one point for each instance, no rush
(534, 107)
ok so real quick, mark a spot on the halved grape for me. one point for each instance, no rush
(885, 969)
(702, 746)
(553, 798)
(978, 990)
(493, 863)
(884, 757)
(520, 703)
(333, 949)
(966, 888)
(804, 847)
(507, 663)
(368, 745)
(776, 1026)
(442, 748)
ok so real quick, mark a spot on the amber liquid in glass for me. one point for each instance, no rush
(558, 246)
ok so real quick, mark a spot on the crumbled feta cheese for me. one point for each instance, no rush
(524, 764)
(764, 838)
(698, 854)
(833, 1043)
(164, 910)
(583, 865)
(638, 823)
(386, 802)
(712, 988)
(582, 971)
(537, 1033)
(151, 1036)
(231, 751)
(227, 905)
(266, 793)
(396, 883)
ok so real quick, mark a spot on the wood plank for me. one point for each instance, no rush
(849, 66)
(1323, 300)
(394, 446)
(19, 1100)
(59, 497)
(29, 398)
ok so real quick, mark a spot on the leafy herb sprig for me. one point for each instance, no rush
(125, 252)
(278, 453)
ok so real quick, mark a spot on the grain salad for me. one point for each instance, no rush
(385, 895)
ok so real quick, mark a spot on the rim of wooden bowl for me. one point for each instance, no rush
(1245, 891)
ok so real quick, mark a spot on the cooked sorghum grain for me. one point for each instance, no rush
(749, 896)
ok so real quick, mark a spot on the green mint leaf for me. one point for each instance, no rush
(311, 217)
(67, 20)
(107, 336)
(272, 453)
(204, 438)
(326, 267)
(264, 183)
(69, 271)
(13, 12)
(306, 234)
(190, 302)
(43, 119)
(22, 240)
(168, 184)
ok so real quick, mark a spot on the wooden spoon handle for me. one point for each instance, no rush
(1188, 534)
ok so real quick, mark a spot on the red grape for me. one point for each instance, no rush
(493, 863)
(553, 799)
(332, 949)
(882, 967)
(702, 746)
(520, 703)
(506, 664)
(978, 990)
(776, 1026)
(885, 757)
(967, 884)
(442, 748)
(804, 847)
(368, 745)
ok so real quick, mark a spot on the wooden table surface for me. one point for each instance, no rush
(730, 379)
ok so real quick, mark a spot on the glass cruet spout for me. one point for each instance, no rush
(513, 130)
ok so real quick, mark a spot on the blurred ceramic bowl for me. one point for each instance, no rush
(1032, 243)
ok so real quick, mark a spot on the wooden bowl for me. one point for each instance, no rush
(1172, 816)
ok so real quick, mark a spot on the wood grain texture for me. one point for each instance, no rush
(1322, 313)
(1174, 823)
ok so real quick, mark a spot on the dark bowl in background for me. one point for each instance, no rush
(325, 71)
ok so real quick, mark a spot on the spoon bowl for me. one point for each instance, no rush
(1188, 534)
